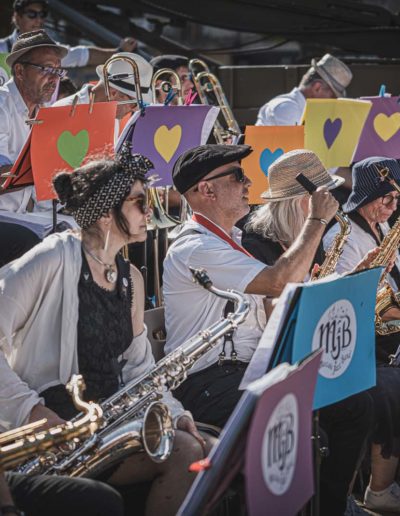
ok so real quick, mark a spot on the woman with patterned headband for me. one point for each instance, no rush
(72, 304)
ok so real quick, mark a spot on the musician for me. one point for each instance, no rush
(180, 65)
(120, 89)
(31, 15)
(270, 230)
(73, 304)
(35, 63)
(214, 185)
(41, 495)
(325, 79)
(371, 203)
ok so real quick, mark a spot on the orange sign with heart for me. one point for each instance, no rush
(63, 138)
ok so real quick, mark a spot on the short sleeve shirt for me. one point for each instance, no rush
(286, 109)
(189, 308)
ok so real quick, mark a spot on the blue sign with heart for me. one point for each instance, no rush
(267, 157)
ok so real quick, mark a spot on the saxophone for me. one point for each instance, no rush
(134, 418)
(18, 445)
(386, 298)
(335, 250)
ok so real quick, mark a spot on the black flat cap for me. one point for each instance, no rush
(168, 61)
(21, 4)
(196, 163)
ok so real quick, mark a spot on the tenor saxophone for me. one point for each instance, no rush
(335, 250)
(134, 419)
(16, 446)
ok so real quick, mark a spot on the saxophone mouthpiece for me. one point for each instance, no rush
(201, 276)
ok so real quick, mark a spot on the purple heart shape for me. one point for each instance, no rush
(331, 130)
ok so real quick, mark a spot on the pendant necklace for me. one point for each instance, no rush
(110, 273)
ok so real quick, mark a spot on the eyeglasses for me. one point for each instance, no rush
(47, 70)
(388, 199)
(238, 171)
(32, 15)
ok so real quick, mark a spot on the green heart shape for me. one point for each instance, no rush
(72, 148)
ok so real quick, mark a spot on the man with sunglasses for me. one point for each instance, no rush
(35, 63)
(30, 15)
(211, 179)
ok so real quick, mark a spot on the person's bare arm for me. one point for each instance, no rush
(99, 55)
(295, 263)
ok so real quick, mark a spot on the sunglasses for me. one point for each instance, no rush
(388, 199)
(32, 15)
(238, 171)
(140, 201)
(47, 70)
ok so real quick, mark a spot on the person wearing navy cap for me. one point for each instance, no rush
(214, 184)
(371, 203)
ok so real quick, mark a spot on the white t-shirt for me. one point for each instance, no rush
(358, 243)
(77, 56)
(189, 308)
(286, 109)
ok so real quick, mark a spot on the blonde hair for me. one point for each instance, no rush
(279, 221)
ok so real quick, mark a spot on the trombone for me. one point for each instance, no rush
(123, 76)
(166, 86)
(207, 83)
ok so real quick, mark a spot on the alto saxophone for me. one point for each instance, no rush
(336, 248)
(16, 446)
(386, 298)
(134, 418)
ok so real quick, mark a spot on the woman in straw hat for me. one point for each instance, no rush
(72, 304)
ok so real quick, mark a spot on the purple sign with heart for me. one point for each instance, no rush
(279, 470)
(381, 132)
(163, 133)
(331, 130)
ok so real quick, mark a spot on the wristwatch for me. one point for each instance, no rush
(10, 509)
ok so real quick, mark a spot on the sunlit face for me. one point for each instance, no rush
(184, 76)
(230, 194)
(36, 85)
(32, 17)
(136, 212)
(380, 210)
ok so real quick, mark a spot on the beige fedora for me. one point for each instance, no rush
(282, 175)
(334, 72)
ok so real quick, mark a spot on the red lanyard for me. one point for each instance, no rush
(200, 219)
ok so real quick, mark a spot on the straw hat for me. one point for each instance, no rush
(282, 175)
(334, 72)
(31, 40)
(120, 75)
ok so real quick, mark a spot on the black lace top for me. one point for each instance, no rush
(104, 330)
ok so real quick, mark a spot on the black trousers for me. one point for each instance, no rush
(41, 495)
(347, 424)
(15, 240)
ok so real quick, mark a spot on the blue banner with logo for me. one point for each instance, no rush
(338, 316)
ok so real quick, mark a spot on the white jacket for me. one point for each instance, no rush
(38, 328)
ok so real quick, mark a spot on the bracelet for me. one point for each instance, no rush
(322, 221)
(10, 509)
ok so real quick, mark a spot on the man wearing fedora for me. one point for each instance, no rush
(326, 78)
(372, 201)
(30, 15)
(212, 181)
(121, 82)
(35, 62)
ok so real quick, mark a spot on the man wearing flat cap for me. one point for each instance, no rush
(326, 78)
(35, 63)
(212, 181)
(30, 15)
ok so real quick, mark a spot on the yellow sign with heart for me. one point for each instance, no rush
(166, 141)
(386, 126)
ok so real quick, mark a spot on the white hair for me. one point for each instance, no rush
(280, 221)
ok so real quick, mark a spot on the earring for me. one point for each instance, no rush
(105, 247)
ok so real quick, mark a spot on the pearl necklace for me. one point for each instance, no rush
(110, 273)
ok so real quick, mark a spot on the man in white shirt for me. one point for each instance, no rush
(30, 15)
(214, 185)
(327, 78)
(35, 63)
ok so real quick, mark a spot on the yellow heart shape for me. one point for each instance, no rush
(386, 126)
(166, 141)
